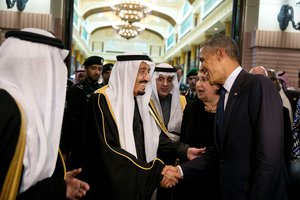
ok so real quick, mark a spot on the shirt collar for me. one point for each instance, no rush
(231, 78)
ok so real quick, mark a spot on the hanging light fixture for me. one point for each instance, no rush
(128, 30)
(131, 10)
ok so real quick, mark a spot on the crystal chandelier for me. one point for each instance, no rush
(128, 30)
(131, 10)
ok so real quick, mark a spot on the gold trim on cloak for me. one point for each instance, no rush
(12, 180)
(102, 91)
(182, 102)
(157, 118)
(63, 162)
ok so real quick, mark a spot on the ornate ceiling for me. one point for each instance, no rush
(99, 15)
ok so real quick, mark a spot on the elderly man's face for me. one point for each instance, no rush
(142, 79)
(164, 84)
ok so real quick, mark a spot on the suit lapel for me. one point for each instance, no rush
(232, 99)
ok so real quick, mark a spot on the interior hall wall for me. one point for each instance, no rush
(273, 49)
(45, 14)
(264, 43)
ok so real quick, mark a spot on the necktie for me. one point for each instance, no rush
(220, 116)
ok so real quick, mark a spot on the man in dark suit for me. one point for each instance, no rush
(249, 137)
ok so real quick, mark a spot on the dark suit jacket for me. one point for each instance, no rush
(251, 161)
(251, 158)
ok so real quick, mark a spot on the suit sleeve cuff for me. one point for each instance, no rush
(180, 170)
(182, 150)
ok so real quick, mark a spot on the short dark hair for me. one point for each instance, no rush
(179, 67)
(222, 41)
(107, 67)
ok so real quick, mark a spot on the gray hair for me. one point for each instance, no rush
(222, 41)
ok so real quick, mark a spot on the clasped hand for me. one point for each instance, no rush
(171, 176)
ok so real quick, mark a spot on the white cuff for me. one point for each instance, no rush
(180, 170)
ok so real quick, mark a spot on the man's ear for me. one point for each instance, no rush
(220, 53)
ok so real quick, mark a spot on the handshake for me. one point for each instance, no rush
(171, 176)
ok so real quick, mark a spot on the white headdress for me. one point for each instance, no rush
(35, 76)
(120, 94)
(174, 124)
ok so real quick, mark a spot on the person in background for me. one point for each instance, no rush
(182, 87)
(76, 104)
(106, 73)
(79, 75)
(291, 93)
(283, 79)
(285, 100)
(192, 76)
(259, 70)
(166, 98)
(286, 118)
(248, 132)
(123, 136)
(69, 83)
(197, 131)
(31, 105)
(296, 132)
(295, 163)
(167, 101)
